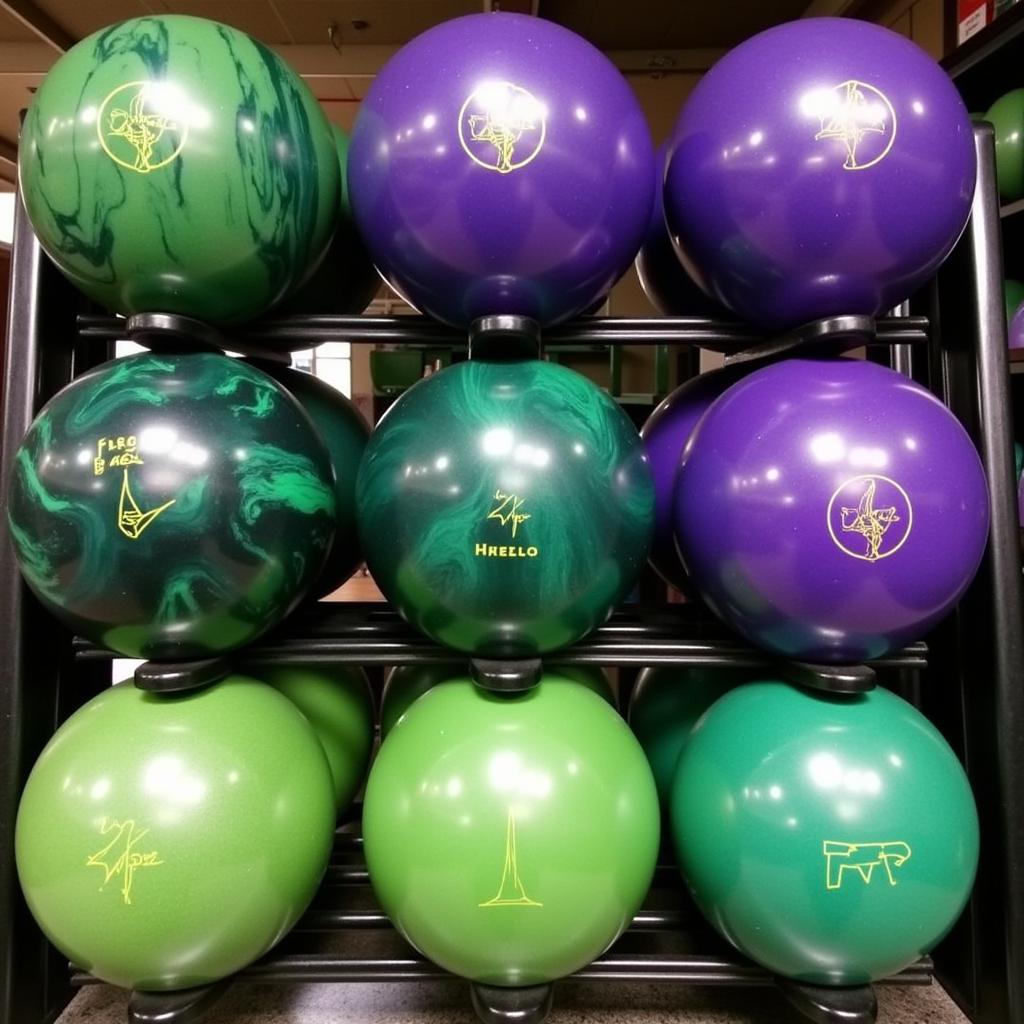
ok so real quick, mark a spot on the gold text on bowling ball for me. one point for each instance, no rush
(119, 858)
(502, 126)
(866, 861)
(508, 510)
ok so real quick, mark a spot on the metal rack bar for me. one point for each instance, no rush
(591, 331)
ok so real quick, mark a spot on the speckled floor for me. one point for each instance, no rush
(575, 1002)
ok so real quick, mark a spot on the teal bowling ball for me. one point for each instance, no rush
(505, 508)
(345, 433)
(665, 705)
(171, 506)
(832, 839)
(173, 164)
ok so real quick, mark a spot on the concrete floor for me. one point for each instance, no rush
(575, 1002)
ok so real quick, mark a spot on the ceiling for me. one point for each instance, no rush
(659, 44)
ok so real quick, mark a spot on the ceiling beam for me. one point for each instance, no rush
(39, 23)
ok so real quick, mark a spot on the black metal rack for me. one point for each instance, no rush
(968, 677)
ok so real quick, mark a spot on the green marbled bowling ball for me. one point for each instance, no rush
(505, 508)
(345, 434)
(171, 506)
(345, 281)
(174, 164)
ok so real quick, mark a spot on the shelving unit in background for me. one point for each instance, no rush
(969, 677)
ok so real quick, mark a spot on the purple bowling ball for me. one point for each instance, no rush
(830, 510)
(663, 278)
(823, 167)
(494, 168)
(665, 434)
(1015, 328)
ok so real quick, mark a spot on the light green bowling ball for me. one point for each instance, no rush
(511, 839)
(165, 842)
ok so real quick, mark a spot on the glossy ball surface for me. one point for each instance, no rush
(666, 703)
(407, 683)
(166, 842)
(336, 701)
(171, 506)
(833, 840)
(173, 164)
(345, 280)
(1007, 117)
(505, 508)
(344, 433)
(823, 167)
(511, 839)
(670, 289)
(811, 503)
(494, 169)
(665, 435)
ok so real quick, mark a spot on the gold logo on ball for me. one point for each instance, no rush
(862, 859)
(858, 115)
(511, 892)
(119, 858)
(502, 126)
(143, 125)
(870, 517)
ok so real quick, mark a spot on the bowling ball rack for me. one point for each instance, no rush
(966, 676)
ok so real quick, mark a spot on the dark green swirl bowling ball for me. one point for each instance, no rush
(345, 434)
(505, 508)
(174, 164)
(171, 506)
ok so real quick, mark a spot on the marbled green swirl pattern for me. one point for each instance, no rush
(429, 482)
(219, 231)
(252, 515)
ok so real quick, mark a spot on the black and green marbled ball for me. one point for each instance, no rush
(505, 508)
(173, 164)
(171, 506)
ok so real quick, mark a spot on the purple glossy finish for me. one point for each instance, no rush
(540, 213)
(665, 434)
(663, 278)
(823, 167)
(830, 510)
(1015, 329)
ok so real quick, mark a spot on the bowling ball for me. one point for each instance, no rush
(1015, 329)
(335, 699)
(166, 842)
(494, 169)
(834, 184)
(174, 164)
(345, 433)
(670, 289)
(345, 280)
(511, 839)
(1013, 295)
(171, 506)
(811, 502)
(665, 435)
(666, 703)
(1007, 117)
(505, 508)
(406, 683)
(832, 839)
